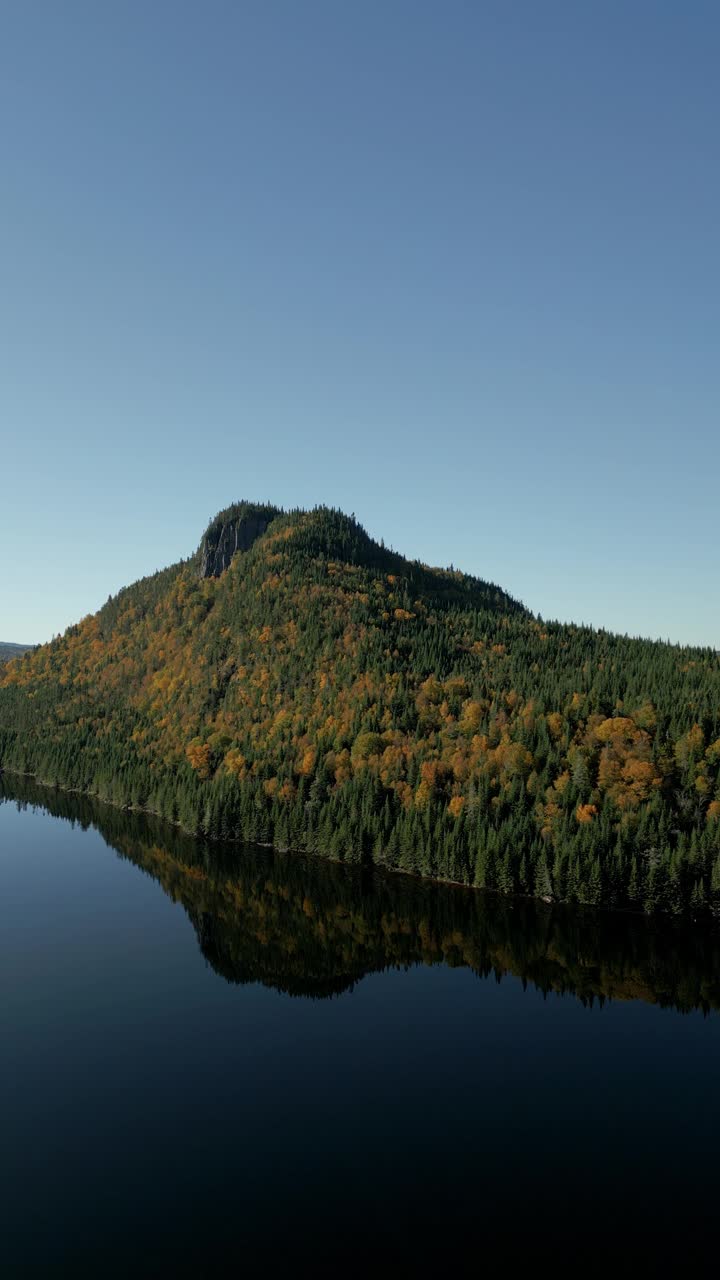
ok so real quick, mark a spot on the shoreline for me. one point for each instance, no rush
(664, 918)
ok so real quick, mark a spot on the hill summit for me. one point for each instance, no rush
(327, 534)
(297, 682)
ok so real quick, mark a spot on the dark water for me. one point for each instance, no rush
(223, 1061)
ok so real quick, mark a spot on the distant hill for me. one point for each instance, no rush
(298, 683)
(8, 651)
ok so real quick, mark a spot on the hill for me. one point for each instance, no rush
(298, 683)
(8, 651)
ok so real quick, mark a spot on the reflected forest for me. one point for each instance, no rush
(315, 929)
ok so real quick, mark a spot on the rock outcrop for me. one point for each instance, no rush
(233, 530)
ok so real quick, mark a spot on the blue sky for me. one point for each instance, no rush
(454, 267)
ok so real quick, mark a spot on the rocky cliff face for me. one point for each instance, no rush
(234, 530)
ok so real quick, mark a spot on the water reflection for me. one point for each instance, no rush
(314, 929)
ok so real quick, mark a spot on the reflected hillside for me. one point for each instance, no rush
(310, 928)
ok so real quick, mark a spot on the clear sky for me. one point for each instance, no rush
(452, 266)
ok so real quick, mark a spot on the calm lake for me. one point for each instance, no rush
(224, 1060)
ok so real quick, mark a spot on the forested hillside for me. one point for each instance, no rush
(323, 693)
